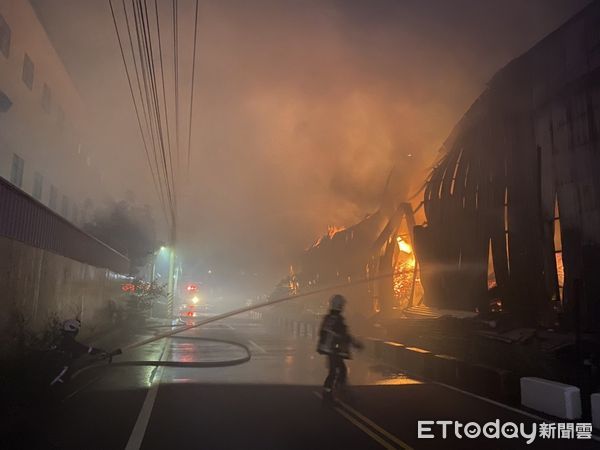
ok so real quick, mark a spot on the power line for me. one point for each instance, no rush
(165, 155)
(152, 101)
(145, 104)
(175, 8)
(144, 62)
(137, 113)
(162, 75)
(135, 65)
(192, 89)
(148, 76)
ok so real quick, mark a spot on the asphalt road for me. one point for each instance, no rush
(269, 402)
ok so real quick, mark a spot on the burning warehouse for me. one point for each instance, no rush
(513, 205)
(368, 250)
(508, 245)
(439, 272)
(376, 252)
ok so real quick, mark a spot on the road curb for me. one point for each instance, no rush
(499, 384)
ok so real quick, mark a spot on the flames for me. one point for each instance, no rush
(332, 230)
(404, 246)
(405, 280)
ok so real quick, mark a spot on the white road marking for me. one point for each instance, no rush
(256, 346)
(139, 429)
(502, 405)
(488, 400)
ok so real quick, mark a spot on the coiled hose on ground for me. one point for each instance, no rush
(99, 363)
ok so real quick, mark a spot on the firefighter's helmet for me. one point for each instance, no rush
(337, 302)
(71, 325)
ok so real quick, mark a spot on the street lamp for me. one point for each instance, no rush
(155, 255)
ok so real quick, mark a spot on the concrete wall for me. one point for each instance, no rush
(54, 142)
(37, 285)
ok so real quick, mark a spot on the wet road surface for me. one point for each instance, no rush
(270, 402)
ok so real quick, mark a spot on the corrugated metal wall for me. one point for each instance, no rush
(530, 140)
(24, 219)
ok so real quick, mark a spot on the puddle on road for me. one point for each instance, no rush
(401, 380)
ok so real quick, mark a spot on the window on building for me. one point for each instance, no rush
(46, 98)
(4, 37)
(64, 209)
(16, 170)
(38, 185)
(28, 71)
(53, 197)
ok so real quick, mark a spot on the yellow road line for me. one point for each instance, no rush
(363, 427)
(368, 421)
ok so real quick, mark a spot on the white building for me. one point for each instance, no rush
(43, 129)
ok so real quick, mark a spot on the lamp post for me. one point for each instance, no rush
(171, 282)
(172, 277)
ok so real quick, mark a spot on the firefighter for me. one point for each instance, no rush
(70, 349)
(335, 342)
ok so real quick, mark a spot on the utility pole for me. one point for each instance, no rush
(171, 281)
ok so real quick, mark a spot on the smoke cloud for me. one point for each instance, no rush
(302, 110)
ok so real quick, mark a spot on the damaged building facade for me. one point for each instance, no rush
(511, 208)
(513, 205)
(371, 262)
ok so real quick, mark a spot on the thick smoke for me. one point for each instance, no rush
(303, 108)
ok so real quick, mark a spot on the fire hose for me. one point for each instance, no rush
(205, 364)
(97, 364)
(235, 312)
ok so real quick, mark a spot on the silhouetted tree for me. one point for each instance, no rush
(128, 228)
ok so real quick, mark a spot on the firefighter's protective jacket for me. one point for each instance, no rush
(63, 354)
(69, 346)
(334, 338)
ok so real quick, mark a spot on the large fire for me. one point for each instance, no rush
(403, 278)
(406, 280)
